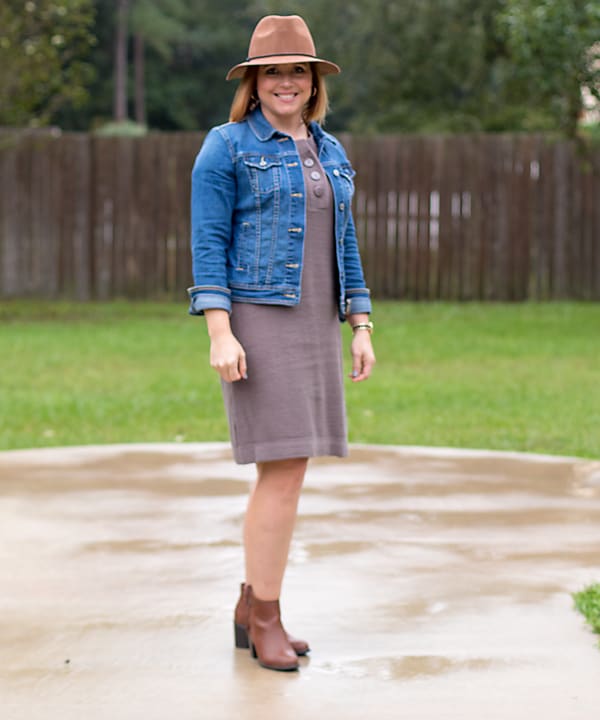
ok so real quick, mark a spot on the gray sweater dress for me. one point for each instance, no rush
(292, 404)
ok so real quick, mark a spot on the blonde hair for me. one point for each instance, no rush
(246, 98)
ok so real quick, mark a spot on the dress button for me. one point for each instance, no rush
(315, 175)
(318, 190)
(309, 162)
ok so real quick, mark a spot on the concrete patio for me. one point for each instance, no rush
(430, 583)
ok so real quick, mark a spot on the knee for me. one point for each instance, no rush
(285, 477)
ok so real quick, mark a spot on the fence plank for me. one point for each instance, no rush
(10, 226)
(595, 225)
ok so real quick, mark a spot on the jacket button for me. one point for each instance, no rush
(336, 172)
(342, 206)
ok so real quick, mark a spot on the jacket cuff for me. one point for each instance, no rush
(358, 301)
(203, 297)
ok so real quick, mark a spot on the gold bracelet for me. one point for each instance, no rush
(363, 326)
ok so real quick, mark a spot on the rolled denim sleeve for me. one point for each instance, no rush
(212, 202)
(358, 296)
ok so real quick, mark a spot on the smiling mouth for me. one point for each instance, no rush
(286, 96)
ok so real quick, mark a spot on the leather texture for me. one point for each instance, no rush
(266, 636)
(241, 620)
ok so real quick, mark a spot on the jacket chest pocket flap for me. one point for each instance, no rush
(264, 172)
(347, 174)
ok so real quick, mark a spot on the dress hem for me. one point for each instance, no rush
(288, 449)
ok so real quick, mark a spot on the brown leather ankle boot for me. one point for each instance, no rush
(240, 624)
(266, 636)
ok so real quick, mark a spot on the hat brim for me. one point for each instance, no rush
(325, 67)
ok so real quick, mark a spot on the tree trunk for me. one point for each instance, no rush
(120, 63)
(140, 94)
(574, 111)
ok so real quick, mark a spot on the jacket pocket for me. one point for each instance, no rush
(264, 172)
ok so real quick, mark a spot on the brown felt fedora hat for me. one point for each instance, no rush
(280, 39)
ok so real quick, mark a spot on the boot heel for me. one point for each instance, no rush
(241, 636)
(253, 651)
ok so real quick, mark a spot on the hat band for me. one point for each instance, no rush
(286, 54)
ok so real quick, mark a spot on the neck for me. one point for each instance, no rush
(293, 126)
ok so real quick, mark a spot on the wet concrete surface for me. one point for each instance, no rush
(430, 584)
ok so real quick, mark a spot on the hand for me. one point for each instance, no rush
(228, 358)
(363, 357)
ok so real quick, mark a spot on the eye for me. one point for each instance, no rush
(299, 69)
(271, 71)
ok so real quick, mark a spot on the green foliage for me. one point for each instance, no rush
(43, 50)
(418, 65)
(432, 66)
(189, 91)
(591, 133)
(189, 47)
(555, 50)
(163, 24)
(587, 601)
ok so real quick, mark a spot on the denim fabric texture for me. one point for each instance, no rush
(248, 218)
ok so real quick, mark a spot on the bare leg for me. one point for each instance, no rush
(269, 524)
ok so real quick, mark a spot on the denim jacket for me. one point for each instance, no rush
(249, 215)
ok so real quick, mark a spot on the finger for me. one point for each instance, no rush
(356, 366)
(366, 371)
(227, 370)
(220, 368)
(224, 373)
(234, 373)
(359, 378)
(366, 363)
(357, 375)
(243, 367)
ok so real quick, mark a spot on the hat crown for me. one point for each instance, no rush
(280, 39)
(281, 35)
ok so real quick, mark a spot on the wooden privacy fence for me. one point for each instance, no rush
(478, 217)
(88, 217)
(470, 217)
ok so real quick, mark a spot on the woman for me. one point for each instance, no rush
(276, 264)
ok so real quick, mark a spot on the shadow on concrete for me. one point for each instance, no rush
(430, 583)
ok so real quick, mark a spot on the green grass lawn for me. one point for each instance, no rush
(507, 377)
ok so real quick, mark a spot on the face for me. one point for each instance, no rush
(283, 91)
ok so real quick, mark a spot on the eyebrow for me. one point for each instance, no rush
(304, 66)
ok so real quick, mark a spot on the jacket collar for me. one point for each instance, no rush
(260, 126)
(264, 131)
